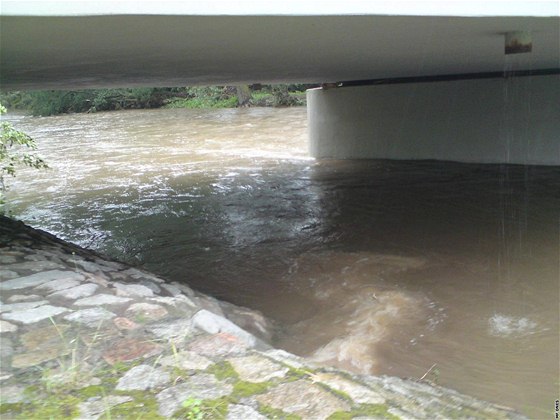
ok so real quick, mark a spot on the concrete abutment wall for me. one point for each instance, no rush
(502, 120)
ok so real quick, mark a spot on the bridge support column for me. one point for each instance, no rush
(498, 120)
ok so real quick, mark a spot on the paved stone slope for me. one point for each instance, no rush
(85, 337)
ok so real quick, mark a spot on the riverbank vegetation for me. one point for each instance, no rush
(54, 102)
(16, 149)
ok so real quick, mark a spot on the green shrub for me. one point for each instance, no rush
(52, 102)
(16, 149)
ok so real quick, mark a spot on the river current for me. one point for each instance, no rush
(384, 267)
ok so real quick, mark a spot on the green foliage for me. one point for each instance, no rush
(205, 97)
(59, 102)
(198, 103)
(283, 98)
(92, 100)
(16, 149)
(193, 409)
(55, 102)
(16, 100)
(197, 409)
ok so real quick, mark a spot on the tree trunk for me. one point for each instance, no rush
(243, 95)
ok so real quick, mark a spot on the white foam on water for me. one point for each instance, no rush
(500, 325)
(357, 311)
(374, 317)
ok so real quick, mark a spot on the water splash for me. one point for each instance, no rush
(500, 325)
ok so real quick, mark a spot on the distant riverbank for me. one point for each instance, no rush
(53, 102)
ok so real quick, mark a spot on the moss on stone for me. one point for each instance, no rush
(10, 410)
(340, 394)
(143, 406)
(243, 389)
(120, 368)
(140, 318)
(110, 375)
(59, 400)
(275, 413)
(297, 373)
(53, 406)
(55, 403)
(217, 408)
(380, 411)
(178, 374)
(91, 391)
(31, 391)
(342, 415)
(222, 371)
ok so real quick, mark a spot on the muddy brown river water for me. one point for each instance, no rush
(384, 267)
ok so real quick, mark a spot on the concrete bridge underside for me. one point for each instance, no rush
(462, 116)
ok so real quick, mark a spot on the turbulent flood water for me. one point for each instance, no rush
(383, 267)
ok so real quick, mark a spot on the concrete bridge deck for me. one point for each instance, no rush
(54, 44)
(63, 45)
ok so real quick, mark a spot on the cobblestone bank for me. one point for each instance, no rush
(82, 336)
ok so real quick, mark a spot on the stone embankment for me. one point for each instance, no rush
(86, 337)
